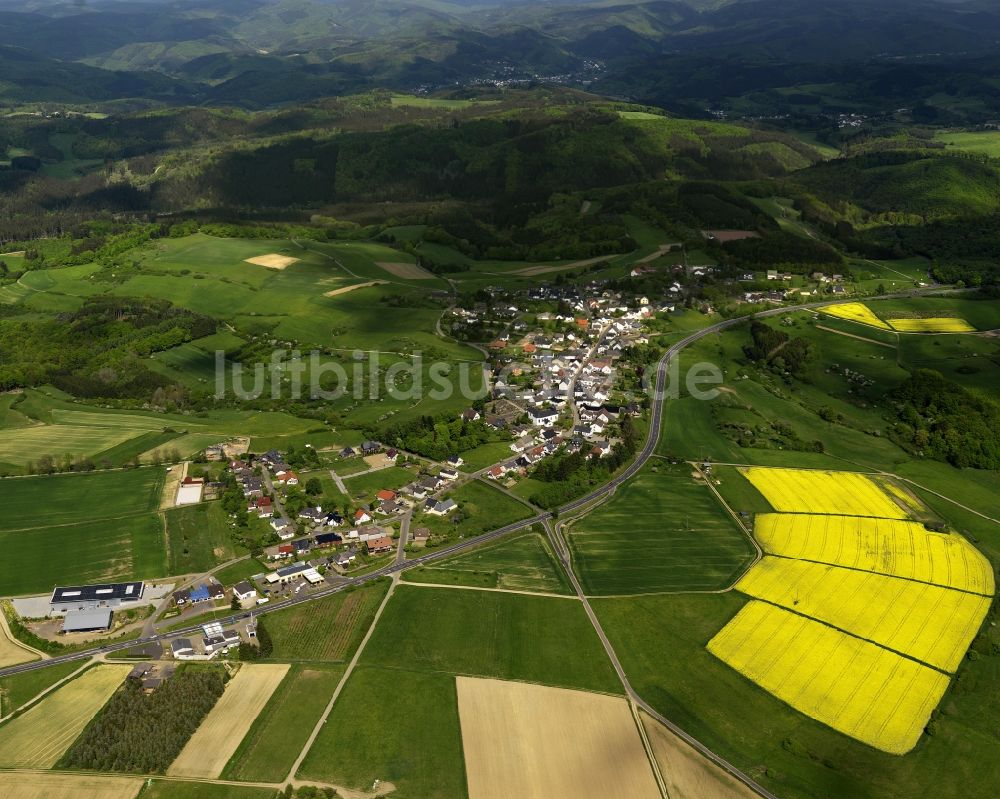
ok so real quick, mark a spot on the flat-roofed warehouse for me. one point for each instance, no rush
(91, 597)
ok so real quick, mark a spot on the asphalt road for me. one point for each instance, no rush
(655, 428)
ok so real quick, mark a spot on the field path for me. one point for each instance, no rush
(223, 729)
(354, 287)
(8, 657)
(635, 700)
(343, 681)
(852, 335)
(340, 483)
(493, 590)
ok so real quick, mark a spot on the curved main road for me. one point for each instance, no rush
(655, 428)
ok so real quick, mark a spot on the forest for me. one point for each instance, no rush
(942, 420)
(96, 351)
(142, 733)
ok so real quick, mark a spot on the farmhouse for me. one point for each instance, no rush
(92, 597)
(288, 573)
(328, 539)
(441, 508)
(496, 472)
(378, 545)
(543, 417)
(189, 491)
(244, 591)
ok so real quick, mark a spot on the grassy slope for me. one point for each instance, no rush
(400, 726)
(198, 538)
(20, 688)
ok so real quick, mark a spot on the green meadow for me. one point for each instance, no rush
(661, 532)
(524, 562)
(270, 748)
(490, 634)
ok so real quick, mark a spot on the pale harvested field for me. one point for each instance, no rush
(535, 742)
(534, 271)
(686, 773)
(272, 261)
(11, 652)
(216, 740)
(67, 786)
(378, 461)
(355, 287)
(40, 736)
(405, 270)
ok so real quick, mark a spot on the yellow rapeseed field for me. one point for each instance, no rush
(932, 624)
(887, 546)
(855, 312)
(941, 324)
(853, 686)
(807, 491)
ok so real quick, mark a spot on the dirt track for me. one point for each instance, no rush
(355, 287)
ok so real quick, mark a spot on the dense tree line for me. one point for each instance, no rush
(98, 350)
(438, 437)
(265, 644)
(143, 733)
(946, 422)
(778, 350)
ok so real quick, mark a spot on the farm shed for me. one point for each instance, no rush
(189, 491)
(86, 621)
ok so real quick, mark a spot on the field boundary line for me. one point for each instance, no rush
(883, 574)
(492, 590)
(855, 636)
(956, 503)
(648, 749)
(39, 697)
(308, 745)
(852, 335)
(633, 697)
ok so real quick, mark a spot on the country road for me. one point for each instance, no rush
(655, 428)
